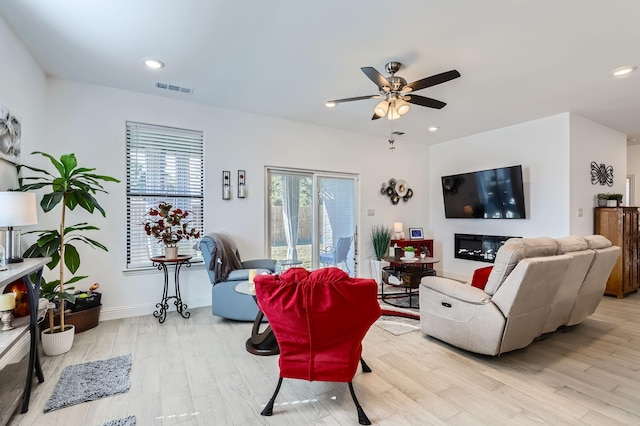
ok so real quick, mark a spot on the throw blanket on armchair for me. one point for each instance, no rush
(224, 258)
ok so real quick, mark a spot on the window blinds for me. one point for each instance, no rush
(163, 164)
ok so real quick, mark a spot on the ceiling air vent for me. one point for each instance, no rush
(174, 88)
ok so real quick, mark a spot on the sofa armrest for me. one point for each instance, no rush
(456, 290)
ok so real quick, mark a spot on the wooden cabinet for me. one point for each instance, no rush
(420, 245)
(620, 226)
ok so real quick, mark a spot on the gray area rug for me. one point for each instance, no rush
(125, 421)
(90, 381)
(397, 325)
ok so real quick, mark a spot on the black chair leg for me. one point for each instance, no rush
(268, 409)
(362, 417)
(365, 367)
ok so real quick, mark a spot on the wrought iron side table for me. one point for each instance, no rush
(161, 263)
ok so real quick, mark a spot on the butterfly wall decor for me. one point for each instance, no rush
(601, 174)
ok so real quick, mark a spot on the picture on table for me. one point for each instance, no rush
(416, 233)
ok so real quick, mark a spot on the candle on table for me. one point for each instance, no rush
(7, 302)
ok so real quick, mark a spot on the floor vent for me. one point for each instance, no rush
(174, 88)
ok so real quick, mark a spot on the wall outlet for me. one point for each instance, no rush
(371, 212)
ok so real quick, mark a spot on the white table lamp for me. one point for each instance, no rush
(397, 228)
(16, 209)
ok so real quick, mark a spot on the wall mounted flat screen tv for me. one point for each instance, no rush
(486, 194)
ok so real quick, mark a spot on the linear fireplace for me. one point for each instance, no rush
(481, 248)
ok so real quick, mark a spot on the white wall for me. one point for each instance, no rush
(633, 168)
(65, 117)
(589, 142)
(541, 147)
(90, 120)
(22, 91)
(62, 117)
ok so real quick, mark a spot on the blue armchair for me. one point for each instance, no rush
(225, 301)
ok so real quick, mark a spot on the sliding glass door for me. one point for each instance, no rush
(311, 219)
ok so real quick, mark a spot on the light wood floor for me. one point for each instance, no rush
(197, 372)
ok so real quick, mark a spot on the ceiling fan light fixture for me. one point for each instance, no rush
(393, 113)
(402, 107)
(381, 109)
(330, 104)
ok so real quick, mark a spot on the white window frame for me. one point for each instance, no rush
(164, 164)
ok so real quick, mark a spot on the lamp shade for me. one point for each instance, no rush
(381, 109)
(18, 208)
(402, 107)
(397, 226)
(393, 112)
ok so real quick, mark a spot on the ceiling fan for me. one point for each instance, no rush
(397, 93)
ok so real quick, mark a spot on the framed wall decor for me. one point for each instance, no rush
(416, 234)
(10, 134)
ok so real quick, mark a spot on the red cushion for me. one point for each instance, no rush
(480, 277)
(319, 319)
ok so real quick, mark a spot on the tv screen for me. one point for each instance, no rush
(486, 194)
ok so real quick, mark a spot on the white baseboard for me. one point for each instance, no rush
(146, 309)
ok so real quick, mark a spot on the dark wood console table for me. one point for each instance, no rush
(13, 388)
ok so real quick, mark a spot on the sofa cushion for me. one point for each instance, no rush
(512, 252)
(480, 277)
(597, 242)
(571, 244)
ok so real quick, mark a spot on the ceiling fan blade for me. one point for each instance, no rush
(376, 77)
(375, 117)
(358, 98)
(433, 80)
(424, 101)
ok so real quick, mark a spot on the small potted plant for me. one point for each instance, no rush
(602, 199)
(380, 238)
(614, 200)
(169, 226)
(409, 252)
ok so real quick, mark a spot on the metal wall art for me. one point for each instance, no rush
(396, 189)
(226, 185)
(601, 174)
(242, 189)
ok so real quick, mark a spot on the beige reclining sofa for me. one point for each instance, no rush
(536, 286)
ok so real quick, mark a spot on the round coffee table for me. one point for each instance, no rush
(409, 273)
(261, 342)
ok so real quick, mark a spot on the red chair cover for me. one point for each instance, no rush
(319, 319)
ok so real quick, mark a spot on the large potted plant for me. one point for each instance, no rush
(380, 238)
(169, 226)
(69, 186)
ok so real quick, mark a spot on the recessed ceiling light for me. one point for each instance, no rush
(623, 71)
(330, 104)
(433, 129)
(153, 63)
